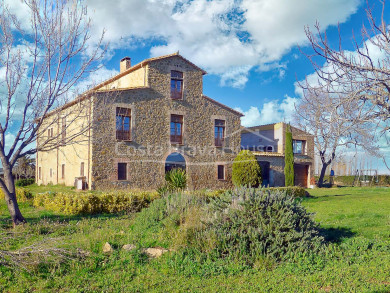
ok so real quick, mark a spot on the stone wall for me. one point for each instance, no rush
(276, 172)
(150, 144)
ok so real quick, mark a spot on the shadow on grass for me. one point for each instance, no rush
(6, 223)
(336, 235)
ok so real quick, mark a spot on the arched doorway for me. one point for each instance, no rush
(175, 160)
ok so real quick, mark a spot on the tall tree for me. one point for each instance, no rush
(24, 167)
(362, 74)
(337, 122)
(42, 61)
(288, 158)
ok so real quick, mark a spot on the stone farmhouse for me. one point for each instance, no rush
(153, 117)
(149, 118)
(267, 142)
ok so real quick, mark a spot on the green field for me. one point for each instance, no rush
(355, 222)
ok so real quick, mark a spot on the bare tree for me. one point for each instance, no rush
(337, 122)
(41, 65)
(363, 74)
(24, 167)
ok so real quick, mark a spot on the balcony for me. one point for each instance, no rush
(176, 139)
(176, 95)
(123, 135)
(218, 142)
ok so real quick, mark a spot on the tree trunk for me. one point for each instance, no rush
(322, 175)
(10, 198)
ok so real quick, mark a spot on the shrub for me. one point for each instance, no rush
(175, 180)
(246, 170)
(24, 182)
(22, 194)
(253, 223)
(289, 159)
(90, 203)
(294, 191)
(384, 180)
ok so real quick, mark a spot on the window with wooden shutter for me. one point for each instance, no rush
(82, 169)
(123, 124)
(219, 132)
(63, 133)
(176, 85)
(122, 171)
(63, 171)
(176, 130)
(221, 172)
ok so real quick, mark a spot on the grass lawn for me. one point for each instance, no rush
(355, 221)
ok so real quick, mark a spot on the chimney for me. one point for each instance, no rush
(125, 64)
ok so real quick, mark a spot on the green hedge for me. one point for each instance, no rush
(22, 194)
(294, 191)
(24, 182)
(94, 203)
(383, 180)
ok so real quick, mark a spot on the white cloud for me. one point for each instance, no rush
(93, 79)
(271, 112)
(225, 37)
(9, 139)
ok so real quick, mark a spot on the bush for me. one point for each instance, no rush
(90, 203)
(246, 170)
(22, 194)
(384, 180)
(294, 191)
(24, 182)
(175, 180)
(253, 223)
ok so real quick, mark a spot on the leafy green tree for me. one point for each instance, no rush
(246, 170)
(289, 159)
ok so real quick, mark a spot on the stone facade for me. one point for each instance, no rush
(145, 90)
(258, 138)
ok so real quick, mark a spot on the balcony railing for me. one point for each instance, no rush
(176, 139)
(218, 142)
(123, 135)
(176, 95)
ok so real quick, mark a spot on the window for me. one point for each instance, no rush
(176, 85)
(82, 169)
(176, 129)
(63, 130)
(50, 132)
(219, 132)
(39, 173)
(63, 171)
(221, 172)
(123, 118)
(122, 171)
(51, 172)
(298, 146)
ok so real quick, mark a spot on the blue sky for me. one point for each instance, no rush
(251, 55)
(248, 47)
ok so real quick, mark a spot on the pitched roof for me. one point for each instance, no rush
(223, 106)
(140, 65)
(259, 127)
